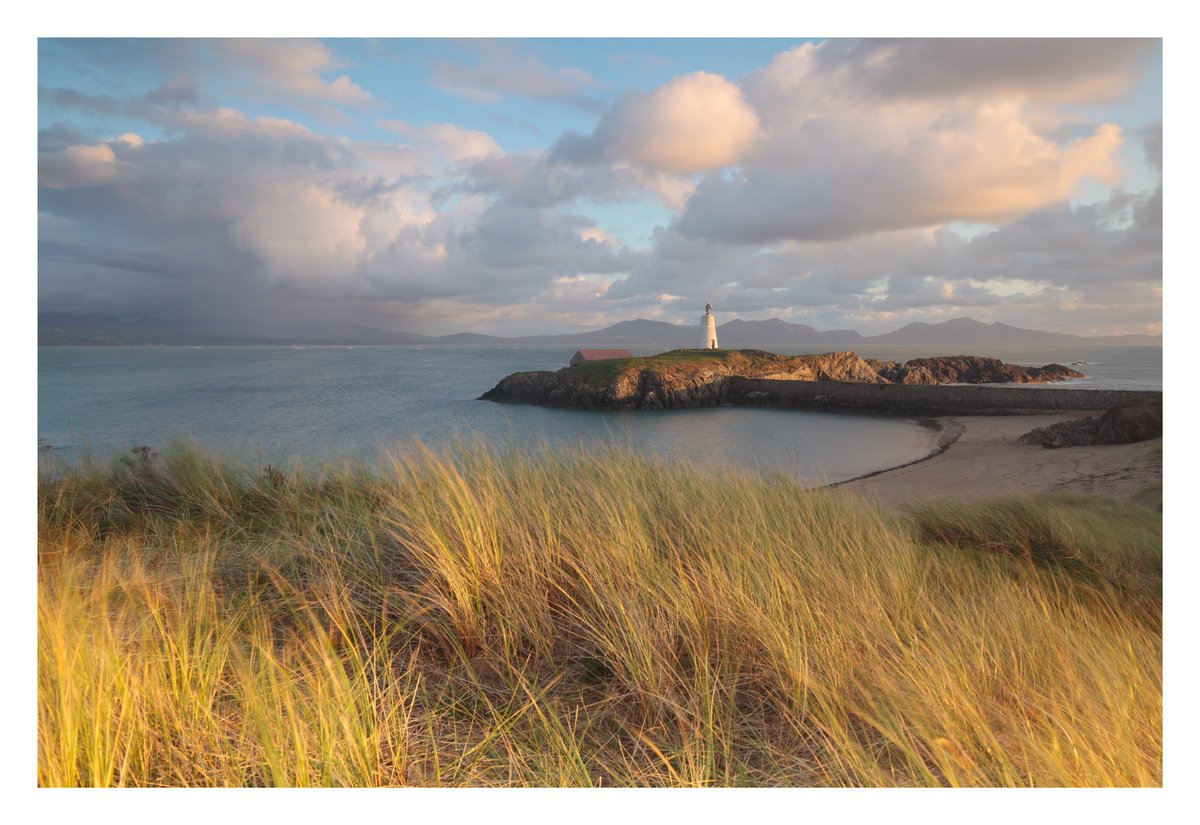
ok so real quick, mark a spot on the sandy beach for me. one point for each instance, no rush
(982, 458)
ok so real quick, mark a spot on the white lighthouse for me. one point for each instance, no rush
(708, 329)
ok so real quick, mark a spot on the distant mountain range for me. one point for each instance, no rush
(641, 336)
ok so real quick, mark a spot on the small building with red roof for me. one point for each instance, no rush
(584, 356)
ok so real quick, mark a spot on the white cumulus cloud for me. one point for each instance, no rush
(697, 122)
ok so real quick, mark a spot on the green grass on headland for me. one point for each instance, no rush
(584, 617)
(604, 371)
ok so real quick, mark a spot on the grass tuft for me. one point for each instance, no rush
(583, 617)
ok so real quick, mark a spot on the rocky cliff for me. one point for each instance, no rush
(699, 378)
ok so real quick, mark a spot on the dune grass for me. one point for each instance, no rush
(583, 617)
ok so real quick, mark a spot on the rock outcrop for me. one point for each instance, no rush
(698, 378)
(1138, 420)
(969, 369)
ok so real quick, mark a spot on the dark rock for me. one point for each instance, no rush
(1138, 420)
(1135, 421)
(970, 369)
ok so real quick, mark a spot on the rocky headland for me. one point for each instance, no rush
(701, 378)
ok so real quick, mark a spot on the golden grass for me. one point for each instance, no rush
(581, 618)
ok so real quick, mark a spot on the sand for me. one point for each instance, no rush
(983, 459)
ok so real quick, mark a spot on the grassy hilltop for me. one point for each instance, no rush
(584, 618)
(602, 372)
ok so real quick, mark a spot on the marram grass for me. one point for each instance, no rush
(584, 618)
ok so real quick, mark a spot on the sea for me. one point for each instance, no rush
(327, 405)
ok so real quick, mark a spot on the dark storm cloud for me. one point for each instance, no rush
(62, 252)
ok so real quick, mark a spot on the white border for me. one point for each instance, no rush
(611, 18)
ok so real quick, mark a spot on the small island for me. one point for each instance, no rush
(687, 378)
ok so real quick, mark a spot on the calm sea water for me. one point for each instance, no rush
(284, 405)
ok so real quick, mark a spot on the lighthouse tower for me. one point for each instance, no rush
(708, 329)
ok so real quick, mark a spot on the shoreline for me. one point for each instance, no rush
(949, 431)
(979, 456)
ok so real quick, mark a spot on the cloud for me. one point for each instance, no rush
(500, 71)
(1152, 143)
(303, 72)
(992, 172)
(534, 179)
(1041, 270)
(264, 211)
(98, 104)
(180, 91)
(455, 143)
(108, 257)
(817, 189)
(229, 123)
(846, 138)
(697, 122)
(1117, 240)
(302, 234)
(1079, 70)
(75, 166)
(292, 67)
(515, 123)
(509, 237)
(293, 200)
(839, 158)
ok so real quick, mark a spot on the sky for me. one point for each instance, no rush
(538, 186)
